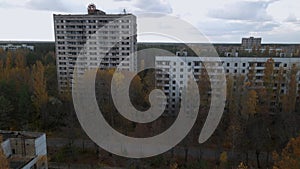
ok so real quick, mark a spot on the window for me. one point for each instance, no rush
(260, 65)
(236, 64)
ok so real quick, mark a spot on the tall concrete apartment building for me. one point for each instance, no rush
(105, 39)
(172, 72)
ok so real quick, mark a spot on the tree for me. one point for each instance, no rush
(20, 60)
(223, 159)
(51, 80)
(5, 109)
(242, 166)
(40, 93)
(231, 102)
(291, 97)
(1, 69)
(268, 82)
(24, 108)
(3, 159)
(267, 51)
(249, 106)
(234, 121)
(251, 75)
(8, 65)
(204, 88)
(289, 157)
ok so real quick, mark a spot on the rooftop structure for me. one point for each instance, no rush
(15, 47)
(25, 150)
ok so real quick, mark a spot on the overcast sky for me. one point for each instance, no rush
(219, 20)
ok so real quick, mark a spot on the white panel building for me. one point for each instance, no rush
(172, 74)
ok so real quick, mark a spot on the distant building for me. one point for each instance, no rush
(111, 40)
(15, 47)
(25, 150)
(249, 43)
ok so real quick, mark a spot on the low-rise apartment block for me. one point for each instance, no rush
(173, 72)
(25, 150)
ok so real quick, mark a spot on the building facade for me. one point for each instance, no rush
(172, 72)
(12, 47)
(106, 41)
(249, 43)
(25, 150)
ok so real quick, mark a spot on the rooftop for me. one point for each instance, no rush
(19, 134)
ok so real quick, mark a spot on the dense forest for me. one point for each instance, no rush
(258, 120)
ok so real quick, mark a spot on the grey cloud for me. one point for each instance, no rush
(51, 5)
(240, 18)
(292, 18)
(243, 10)
(7, 4)
(160, 6)
(284, 37)
(217, 28)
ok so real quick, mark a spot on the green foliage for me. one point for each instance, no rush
(158, 161)
(66, 153)
(27, 79)
(5, 109)
(201, 164)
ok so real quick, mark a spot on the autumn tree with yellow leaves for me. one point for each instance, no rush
(40, 98)
(289, 158)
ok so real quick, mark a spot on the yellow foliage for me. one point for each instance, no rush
(223, 157)
(39, 85)
(174, 166)
(242, 166)
(289, 157)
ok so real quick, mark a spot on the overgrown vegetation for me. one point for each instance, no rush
(258, 119)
